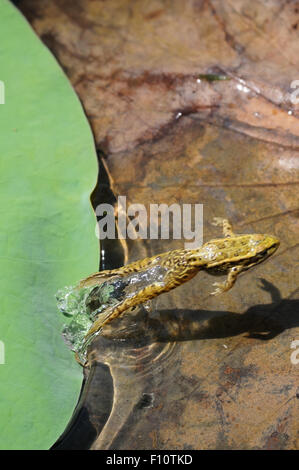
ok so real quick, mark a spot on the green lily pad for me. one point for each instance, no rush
(47, 240)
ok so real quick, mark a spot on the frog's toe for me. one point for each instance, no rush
(217, 221)
(216, 292)
(219, 288)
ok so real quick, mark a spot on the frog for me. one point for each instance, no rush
(230, 255)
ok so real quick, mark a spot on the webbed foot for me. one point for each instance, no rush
(230, 281)
(220, 288)
(226, 226)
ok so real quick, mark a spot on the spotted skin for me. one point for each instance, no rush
(230, 255)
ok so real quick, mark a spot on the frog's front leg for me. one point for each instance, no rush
(226, 226)
(230, 281)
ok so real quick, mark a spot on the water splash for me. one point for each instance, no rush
(84, 305)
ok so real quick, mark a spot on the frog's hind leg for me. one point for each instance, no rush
(115, 311)
(136, 266)
(103, 318)
(98, 278)
(226, 226)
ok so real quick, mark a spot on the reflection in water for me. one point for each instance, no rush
(137, 363)
(88, 420)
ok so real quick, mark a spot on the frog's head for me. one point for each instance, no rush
(219, 255)
(260, 247)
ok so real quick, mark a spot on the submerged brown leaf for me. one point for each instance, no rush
(209, 372)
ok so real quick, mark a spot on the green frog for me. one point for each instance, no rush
(150, 277)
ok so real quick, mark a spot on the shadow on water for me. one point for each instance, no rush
(261, 322)
(111, 251)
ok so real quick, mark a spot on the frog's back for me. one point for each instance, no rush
(247, 247)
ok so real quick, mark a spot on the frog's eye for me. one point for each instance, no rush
(260, 256)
